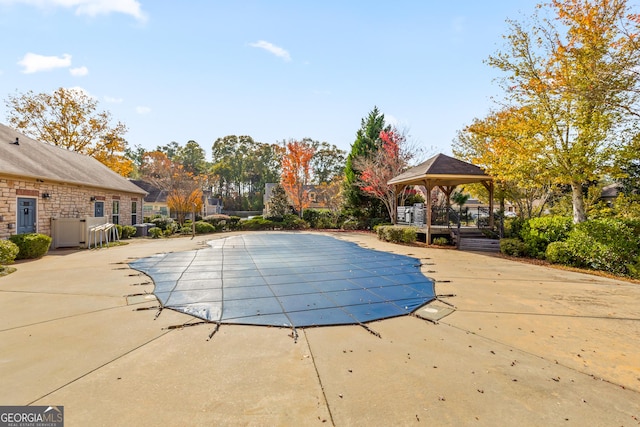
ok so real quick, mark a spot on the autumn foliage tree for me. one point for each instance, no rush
(505, 144)
(575, 73)
(185, 195)
(156, 168)
(69, 118)
(296, 173)
(377, 169)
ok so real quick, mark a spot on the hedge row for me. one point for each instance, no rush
(607, 244)
(24, 246)
(396, 234)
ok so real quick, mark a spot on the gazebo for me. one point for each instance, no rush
(445, 173)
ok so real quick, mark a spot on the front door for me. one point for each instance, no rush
(98, 209)
(26, 215)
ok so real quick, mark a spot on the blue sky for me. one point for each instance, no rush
(275, 70)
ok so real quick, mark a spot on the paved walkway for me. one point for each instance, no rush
(526, 345)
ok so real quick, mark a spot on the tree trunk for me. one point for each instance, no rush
(577, 199)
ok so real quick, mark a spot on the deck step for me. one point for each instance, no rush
(479, 244)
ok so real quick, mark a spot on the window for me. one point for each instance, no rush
(98, 210)
(134, 213)
(115, 213)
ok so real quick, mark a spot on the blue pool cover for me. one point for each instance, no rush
(287, 279)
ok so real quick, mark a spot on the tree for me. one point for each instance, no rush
(68, 118)
(278, 205)
(242, 167)
(378, 169)
(504, 144)
(330, 193)
(296, 164)
(192, 158)
(185, 191)
(136, 155)
(576, 74)
(170, 149)
(157, 169)
(460, 198)
(366, 145)
(185, 199)
(327, 162)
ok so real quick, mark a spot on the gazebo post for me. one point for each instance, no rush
(427, 184)
(489, 186)
(491, 221)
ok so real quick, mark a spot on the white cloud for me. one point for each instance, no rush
(90, 7)
(390, 120)
(34, 63)
(143, 110)
(79, 71)
(112, 100)
(271, 48)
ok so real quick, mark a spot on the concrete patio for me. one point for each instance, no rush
(526, 345)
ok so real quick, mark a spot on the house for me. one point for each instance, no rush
(317, 196)
(610, 192)
(212, 205)
(60, 193)
(155, 202)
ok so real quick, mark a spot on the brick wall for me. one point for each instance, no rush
(64, 201)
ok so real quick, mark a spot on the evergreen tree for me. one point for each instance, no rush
(278, 204)
(366, 145)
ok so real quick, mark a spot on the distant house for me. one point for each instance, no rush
(316, 196)
(610, 192)
(155, 202)
(212, 205)
(60, 193)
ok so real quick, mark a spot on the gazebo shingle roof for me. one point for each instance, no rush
(446, 170)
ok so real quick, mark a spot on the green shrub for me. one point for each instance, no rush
(155, 232)
(409, 234)
(126, 231)
(513, 247)
(31, 245)
(320, 218)
(395, 234)
(293, 222)
(233, 223)
(537, 233)
(513, 226)
(633, 268)
(219, 221)
(353, 224)
(203, 227)
(8, 251)
(606, 244)
(257, 223)
(440, 241)
(559, 253)
(164, 223)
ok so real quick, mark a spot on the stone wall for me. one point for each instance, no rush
(59, 200)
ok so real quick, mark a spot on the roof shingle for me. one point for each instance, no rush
(38, 160)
